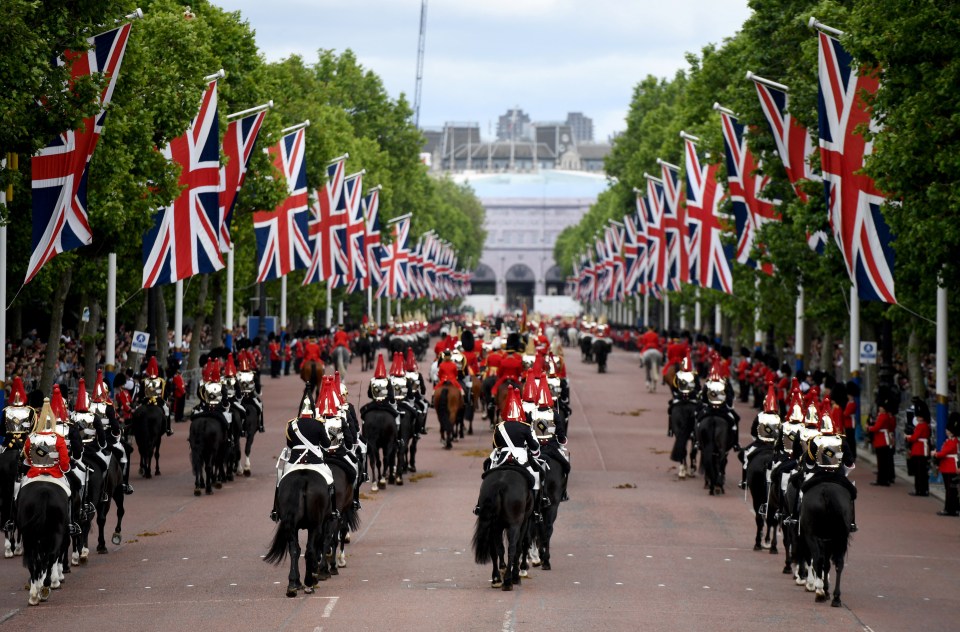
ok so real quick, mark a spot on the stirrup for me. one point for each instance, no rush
(853, 527)
(476, 511)
(335, 514)
(742, 485)
(545, 502)
(74, 529)
(790, 522)
(127, 489)
(274, 516)
(762, 510)
(10, 525)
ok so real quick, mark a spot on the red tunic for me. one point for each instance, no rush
(274, 351)
(341, 339)
(311, 352)
(742, 369)
(948, 456)
(447, 372)
(63, 459)
(649, 340)
(179, 388)
(849, 411)
(494, 358)
(920, 440)
(123, 405)
(473, 364)
(883, 430)
(510, 368)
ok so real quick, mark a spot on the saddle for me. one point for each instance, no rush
(522, 469)
(830, 477)
(349, 468)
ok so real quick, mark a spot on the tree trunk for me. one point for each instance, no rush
(917, 386)
(15, 324)
(216, 326)
(52, 354)
(90, 338)
(199, 320)
(160, 328)
(141, 324)
(826, 350)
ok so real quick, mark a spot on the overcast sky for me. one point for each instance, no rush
(548, 57)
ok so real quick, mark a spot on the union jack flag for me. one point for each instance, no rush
(59, 171)
(430, 266)
(283, 235)
(750, 208)
(415, 282)
(794, 145)
(618, 276)
(634, 252)
(370, 207)
(394, 262)
(184, 239)
(328, 216)
(656, 237)
(237, 147)
(853, 199)
(587, 278)
(675, 226)
(709, 256)
(352, 234)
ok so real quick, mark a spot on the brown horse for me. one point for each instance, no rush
(311, 372)
(448, 400)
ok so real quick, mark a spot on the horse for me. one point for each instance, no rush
(380, 432)
(682, 420)
(84, 510)
(147, 426)
(235, 429)
(757, 468)
(42, 514)
(506, 505)
(601, 349)
(650, 360)
(341, 358)
(777, 509)
(407, 444)
(251, 426)
(570, 336)
(310, 372)
(207, 444)
(489, 398)
(586, 348)
(112, 490)
(447, 400)
(302, 503)
(366, 349)
(9, 464)
(713, 437)
(825, 519)
(554, 484)
(334, 554)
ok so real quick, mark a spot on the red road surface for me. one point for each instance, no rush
(659, 556)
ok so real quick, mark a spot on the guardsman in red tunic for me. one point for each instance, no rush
(274, 348)
(947, 457)
(341, 339)
(511, 366)
(919, 442)
(46, 454)
(447, 372)
(742, 369)
(883, 430)
(287, 357)
(676, 352)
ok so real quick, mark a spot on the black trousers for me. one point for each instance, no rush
(852, 441)
(921, 475)
(885, 472)
(951, 503)
(274, 368)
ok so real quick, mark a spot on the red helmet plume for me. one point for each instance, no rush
(512, 409)
(327, 401)
(380, 372)
(18, 395)
(153, 369)
(545, 397)
(57, 404)
(229, 368)
(770, 401)
(396, 367)
(81, 406)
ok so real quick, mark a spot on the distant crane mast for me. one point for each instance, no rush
(419, 88)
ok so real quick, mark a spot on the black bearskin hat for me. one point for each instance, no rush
(513, 342)
(466, 339)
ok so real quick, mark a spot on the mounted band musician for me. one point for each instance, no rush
(212, 400)
(47, 457)
(247, 384)
(343, 430)
(380, 392)
(116, 446)
(307, 441)
(511, 366)
(416, 392)
(515, 445)
(550, 431)
(231, 394)
(153, 391)
(764, 430)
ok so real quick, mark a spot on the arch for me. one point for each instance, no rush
(520, 284)
(554, 283)
(554, 274)
(521, 273)
(483, 280)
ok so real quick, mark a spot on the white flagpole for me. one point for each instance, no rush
(799, 331)
(110, 360)
(328, 313)
(697, 320)
(177, 323)
(683, 317)
(370, 302)
(379, 312)
(340, 313)
(282, 325)
(717, 323)
(389, 313)
(666, 311)
(3, 303)
(646, 310)
(228, 319)
(854, 335)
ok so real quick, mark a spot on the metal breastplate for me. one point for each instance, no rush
(62, 428)
(828, 451)
(245, 382)
(43, 450)
(334, 428)
(17, 419)
(153, 388)
(544, 429)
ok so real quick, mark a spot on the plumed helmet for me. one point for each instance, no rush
(57, 404)
(795, 409)
(396, 367)
(544, 396)
(327, 403)
(18, 394)
(211, 372)
(46, 419)
(380, 372)
(229, 368)
(827, 425)
(340, 389)
(685, 381)
(306, 406)
(812, 418)
(716, 392)
(81, 406)
(770, 401)
(768, 426)
(410, 362)
(153, 369)
(467, 340)
(244, 361)
(530, 389)
(100, 391)
(512, 408)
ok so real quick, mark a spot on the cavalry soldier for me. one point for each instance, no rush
(231, 394)
(18, 417)
(511, 366)
(552, 436)
(398, 380)
(107, 412)
(343, 429)
(380, 391)
(154, 389)
(47, 456)
(212, 400)
(307, 439)
(416, 391)
(530, 393)
(715, 400)
(514, 443)
(686, 385)
(247, 382)
(178, 391)
(764, 430)
(825, 459)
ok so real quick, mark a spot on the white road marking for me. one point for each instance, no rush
(706, 588)
(146, 588)
(224, 557)
(507, 622)
(661, 585)
(879, 596)
(328, 609)
(649, 557)
(189, 585)
(726, 559)
(184, 558)
(404, 579)
(689, 558)
(609, 554)
(749, 589)
(619, 583)
(233, 584)
(576, 583)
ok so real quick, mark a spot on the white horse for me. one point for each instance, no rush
(651, 359)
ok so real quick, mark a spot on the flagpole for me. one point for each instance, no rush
(253, 110)
(854, 350)
(697, 320)
(717, 323)
(370, 302)
(340, 313)
(228, 324)
(666, 311)
(110, 360)
(293, 128)
(389, 313)
(177, 321)
(282, 325)
(328, 313)
(799, 331)
(683, 317)
(941, 366)
(379, 312)
(3, 303)
(646, 310)
(757, 334)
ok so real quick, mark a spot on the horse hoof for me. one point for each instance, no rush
(308, 590)
(757, 547)
(341, 561)
(291, 592)
(246, 472)
(346, 538)
(33, 600)
(774, 551)
(102, 550)
(496, 584)
(835, 603)
(524, 573)
(218, 485)
(374, 488)
(470, 432)
(8, 553)
(196, 491)
(546, 566)
(44, 593)
(116, 539)
(75, 559)
(787, 570)
(147, 474)
(210, 491)
(507, 587)
(382, 481)
(140, 471)
(156, 472)
(413, 469)
(820, 598)
(399, 482)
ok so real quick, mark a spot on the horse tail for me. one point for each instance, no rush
(313, 373)
(278, 548)
(350, 516)
(443, 408)
(483, 533)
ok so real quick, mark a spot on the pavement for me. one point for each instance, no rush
(634, 549)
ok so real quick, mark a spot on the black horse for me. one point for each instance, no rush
(757, 469)
(713, 438)
(366, 347)
(334, 556)
(147, 425)
(683, 416)
(506, 505)
(207, 451)
(586, 349)
(112, 491)
(9, 462)
(825, 518)
(601, 349)
(302, 503)
(380, 432)
(42, 515)
(84, 510)
(235, 430)
(554, 485)
(407, 443)
(778, 509)
(252, 422)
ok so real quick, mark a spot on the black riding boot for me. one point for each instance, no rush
(127, 489)
(332, 494)
(166, 423)
(564, 497)
(743, 470)
(274, 516)
(356, 494)
(853, 517)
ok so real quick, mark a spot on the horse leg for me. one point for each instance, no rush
(102, 509)
(838, 564)
(513, 558)
(156, 456)
(247, 447)
(312, 564)
(759, 519)
(293, 550)
(413, 454)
